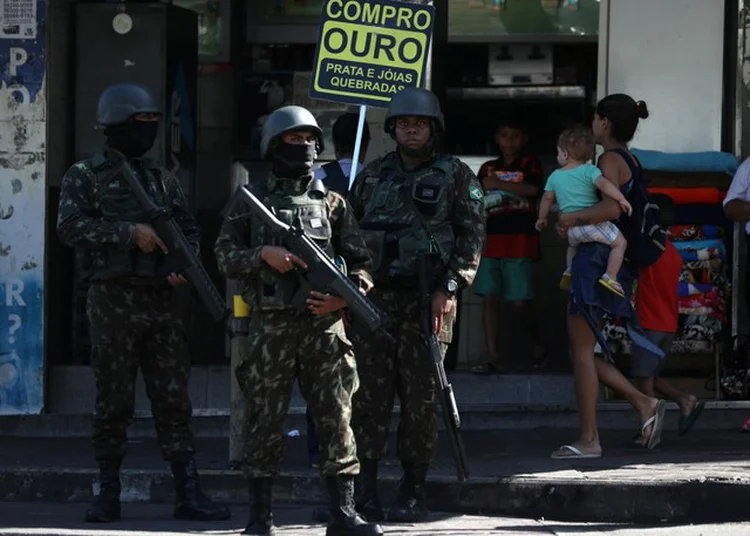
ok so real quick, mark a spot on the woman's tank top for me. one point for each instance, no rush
(636, 174)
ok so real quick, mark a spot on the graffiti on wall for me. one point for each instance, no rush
(22, 207)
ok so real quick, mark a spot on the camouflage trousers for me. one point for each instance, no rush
(404, 370)
(284, 348)
(132, 327)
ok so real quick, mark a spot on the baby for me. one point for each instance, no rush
(575, 186)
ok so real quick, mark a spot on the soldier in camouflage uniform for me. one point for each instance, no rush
(289, 345)
(410, 202)
(133, 321)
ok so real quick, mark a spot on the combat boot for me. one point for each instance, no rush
(368, 502)
(106, 507)
(366, 496)
(411, 503)
(345, 521)
(261, 517)
(191, 503)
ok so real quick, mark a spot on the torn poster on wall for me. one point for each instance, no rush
(23, 113)
(18, 19)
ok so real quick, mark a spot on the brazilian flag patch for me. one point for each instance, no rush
(475, 193)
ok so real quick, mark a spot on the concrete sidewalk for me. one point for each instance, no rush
(50, 520)
(37, 519)
(702, 477)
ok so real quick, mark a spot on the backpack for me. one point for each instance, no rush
(643, 229)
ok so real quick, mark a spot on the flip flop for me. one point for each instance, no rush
(613, 286)
(565, 281)
(686, 423)
(657, 420)
(574, 454)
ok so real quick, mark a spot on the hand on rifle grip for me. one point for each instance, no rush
(147, 240)
(442, 304)
(280, 259)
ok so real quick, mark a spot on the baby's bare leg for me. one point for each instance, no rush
(572, 250)
(616, 256)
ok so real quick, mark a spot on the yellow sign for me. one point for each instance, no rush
(370, 50)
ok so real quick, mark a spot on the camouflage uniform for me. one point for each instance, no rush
(289, 344)
(133, 315)
(394, 208)
(407, 371)
(133, 322)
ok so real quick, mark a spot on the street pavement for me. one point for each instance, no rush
(46, 519)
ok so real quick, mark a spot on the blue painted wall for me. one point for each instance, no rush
(22, 212)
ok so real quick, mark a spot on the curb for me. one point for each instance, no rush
(613, 501)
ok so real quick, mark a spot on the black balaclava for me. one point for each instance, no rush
(134, 138)
(293, 161)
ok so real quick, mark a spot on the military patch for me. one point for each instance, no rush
(475, 193)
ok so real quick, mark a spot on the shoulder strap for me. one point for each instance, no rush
(633, 163)
(97, 161)
(318, 189)
(444, 163)
(94, 166)
(335, 179)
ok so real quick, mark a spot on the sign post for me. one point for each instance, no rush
(369, 50)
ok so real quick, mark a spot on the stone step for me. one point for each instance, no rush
(702, 477)
(73, 389)
(718, 415)
(612, 501)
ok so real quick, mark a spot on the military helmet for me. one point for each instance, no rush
(288, 119)
(120, 102)
(414, 101)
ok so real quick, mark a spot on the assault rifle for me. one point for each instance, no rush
(180, 257)
(444, 389)
(321, 274)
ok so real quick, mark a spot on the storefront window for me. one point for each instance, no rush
(563, 18)
(292, 8)
(523, 17)
(210, 37)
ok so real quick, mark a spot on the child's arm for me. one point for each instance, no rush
(547, 199)
(530, 186)
(484, 175)
(610, 190)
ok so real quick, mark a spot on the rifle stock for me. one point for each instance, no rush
(180, 258)
(444, 388)
(321, 274)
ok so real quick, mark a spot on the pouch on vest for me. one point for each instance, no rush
(375, 242)
(409, 248)
(427, 198)
(119, 203)
(316, 225)
(274, 290)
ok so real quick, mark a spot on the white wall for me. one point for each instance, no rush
(668, 53)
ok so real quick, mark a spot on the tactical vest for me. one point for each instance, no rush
(305, 209)
(407, 214)
(118, 203)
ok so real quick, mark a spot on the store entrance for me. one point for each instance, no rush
(545, 88)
